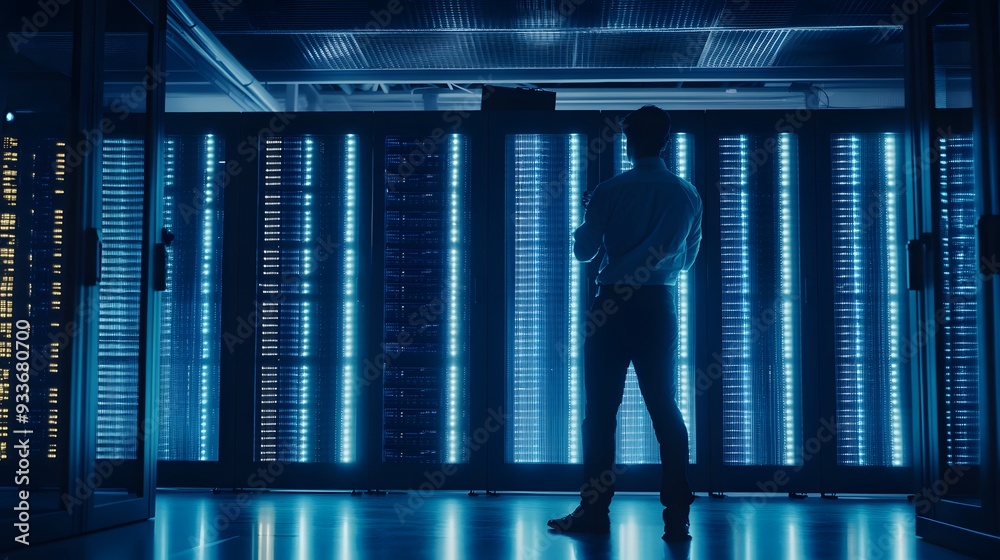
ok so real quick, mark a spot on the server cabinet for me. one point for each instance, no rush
(34, 311)
(116, 357)
(205, 180)
(762, 404)
(426, 366)
(301, 390)
(953, 495)
(958, 497)
(540, 164)
(88, 462)
(471, 211)
(865, 366)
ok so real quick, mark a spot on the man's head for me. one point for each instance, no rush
(646, 131)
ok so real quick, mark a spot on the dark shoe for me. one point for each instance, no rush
(582, 521)
(675, 524)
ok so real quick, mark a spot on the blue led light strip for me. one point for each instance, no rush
(207, 257)
(350, 295)
(171, 421)
(206, 282)
(788, 236)
(456, 371)
(304, 389)
(685, 350)
(576, 269)
(895, 334)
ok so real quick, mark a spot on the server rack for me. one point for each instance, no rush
(426, 366)
(759, 399)
(299, 368)
(864, 373)
(954, 153)
(954, 483)
(539, 165)
(35, 252)
(498, 254)
(208, 184)
(115, 358)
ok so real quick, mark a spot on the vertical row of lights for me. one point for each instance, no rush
(8, 244)
(960, 286)
(575, 272)
(350, 295)
(738, 398)
(864, 181)
(787, 243)
(58, 206)
(892, 253)
(306, 346)
(117, 362)
(684, 401)
(849, 302)
(167, 448)
(270, 287)
(206, 283)
(456, 381)
(529, 371)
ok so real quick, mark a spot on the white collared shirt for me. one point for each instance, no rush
(649, 222)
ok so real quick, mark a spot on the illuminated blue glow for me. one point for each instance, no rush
(759, 261)
(788, 237)
(960, 283)
(544, 180)
(350, 296)
(866, 299)
(205, 280)
(456, 381)
(304, 390)
(892, 253)
(635, 438)
(425, 381)
(576, 270)
(119, 293)
(10, 117)
(307, 300)
(735, 261)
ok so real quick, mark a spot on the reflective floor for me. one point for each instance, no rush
(451, 526)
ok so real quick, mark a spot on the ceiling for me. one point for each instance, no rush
(423, 54)
(592, 52)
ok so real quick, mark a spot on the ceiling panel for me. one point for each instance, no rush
(661, 14)
(680, 49)
(842, 47)
(742, 48)
(340, 15)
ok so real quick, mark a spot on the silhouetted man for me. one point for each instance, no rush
(649, 222)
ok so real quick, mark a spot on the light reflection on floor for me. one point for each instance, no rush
(453, 526)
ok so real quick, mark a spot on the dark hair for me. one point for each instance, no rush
(646, 130)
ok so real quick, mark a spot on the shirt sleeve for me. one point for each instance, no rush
(588, 238)
(693, 240)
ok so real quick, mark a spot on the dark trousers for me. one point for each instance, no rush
(638, 325)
